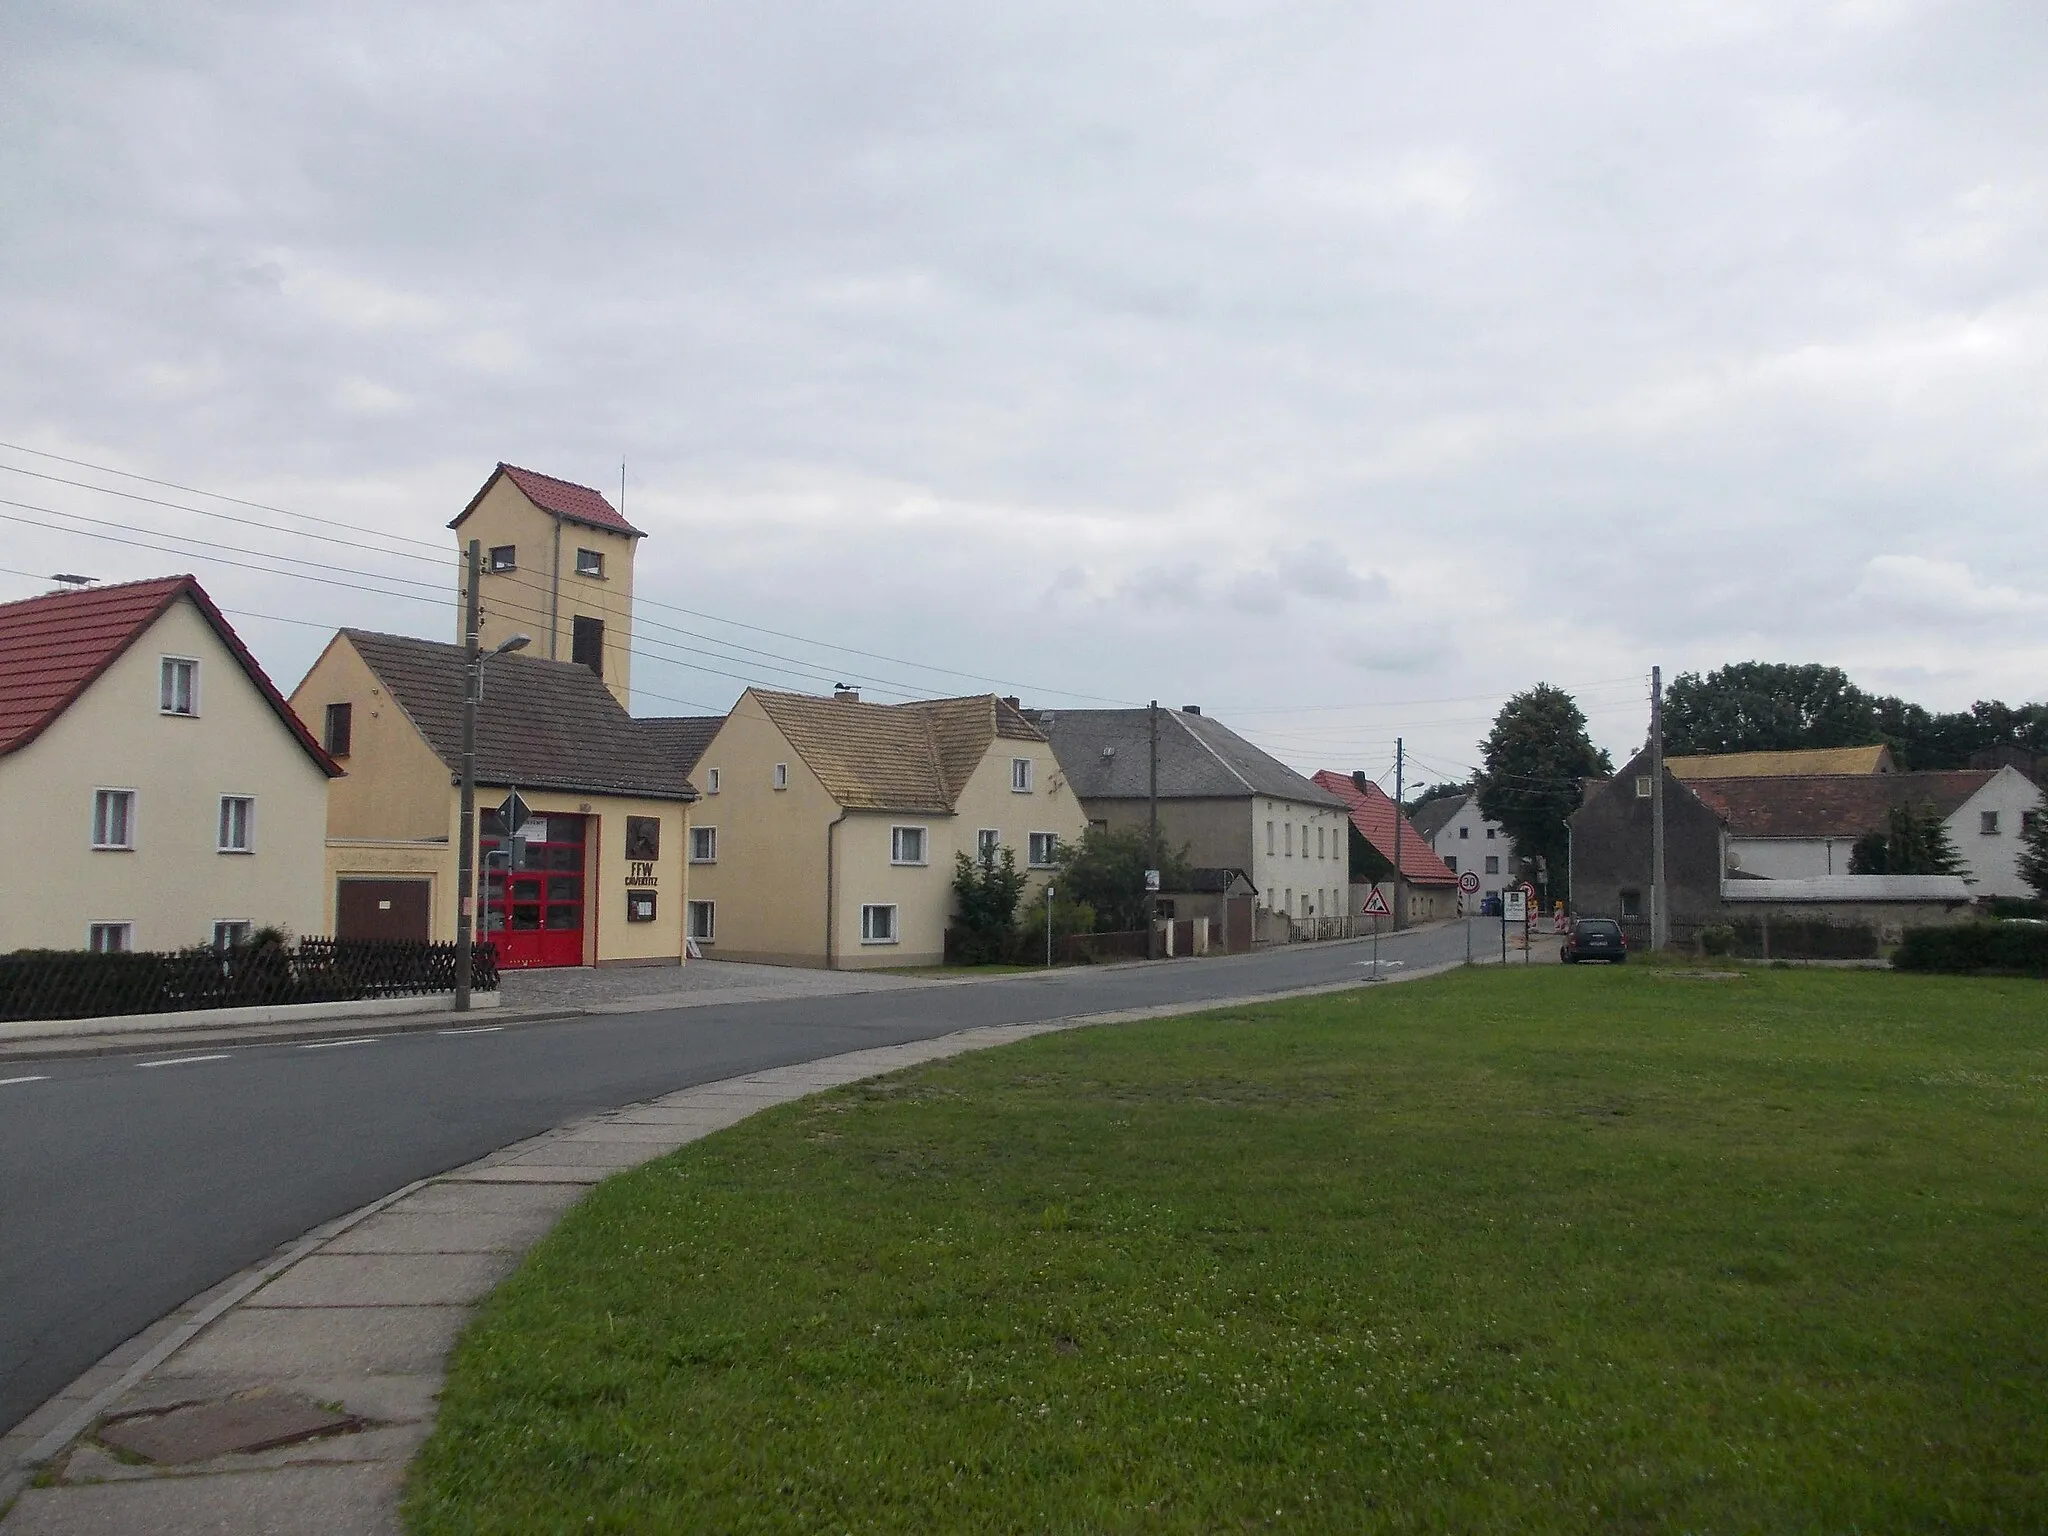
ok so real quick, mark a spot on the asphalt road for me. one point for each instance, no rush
(129, 1184)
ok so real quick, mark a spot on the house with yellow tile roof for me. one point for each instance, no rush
(1779, 765)
(828, 827)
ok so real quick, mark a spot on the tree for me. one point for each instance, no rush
(987, 891)
(1913, 842)
(1106, 870)
(2033, 861)
(1765, 706)
(1435, 792)
(1534, 762)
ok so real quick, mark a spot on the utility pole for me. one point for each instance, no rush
(1400, 762)
(465, 857)
(1152, 824)
(1660, 921)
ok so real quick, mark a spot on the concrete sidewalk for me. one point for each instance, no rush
(291, 1398)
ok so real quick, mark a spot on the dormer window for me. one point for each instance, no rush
(590, 562)
(178, 686)
(504, 557)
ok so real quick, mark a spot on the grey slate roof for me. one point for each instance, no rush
(683, 738)
(1437, 815)
(542, 724)
(1199, 758)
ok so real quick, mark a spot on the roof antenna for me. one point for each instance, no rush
(622, 485)
(70, 580)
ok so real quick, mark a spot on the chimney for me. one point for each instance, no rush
(845, 694)
(1191, 709)
(1014, 702)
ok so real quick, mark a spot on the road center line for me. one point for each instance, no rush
(480, 1029)
(325, 1045)
(9, 1081)
(180, 1061)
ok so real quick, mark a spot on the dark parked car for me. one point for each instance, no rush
(1594, 938)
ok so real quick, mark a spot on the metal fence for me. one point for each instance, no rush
(74, 984)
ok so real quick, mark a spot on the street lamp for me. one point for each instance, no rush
(472, 691)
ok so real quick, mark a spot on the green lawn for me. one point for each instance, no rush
(1506, 1250)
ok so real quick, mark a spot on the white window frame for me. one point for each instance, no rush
(705, 838)
(708, 910)
(924, 846)
(166, 695)
(125, 927)
(1021, 775)
(868, 923)
(710, 781)
(596, 570)
(102, 797)
(1052, 849)
(241, 923)
(988, 842)
(781, 779)
(221, 827)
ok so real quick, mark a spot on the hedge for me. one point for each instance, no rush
(2005, 949)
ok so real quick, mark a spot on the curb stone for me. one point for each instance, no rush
(360, 1313)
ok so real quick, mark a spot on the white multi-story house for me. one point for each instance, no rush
(1465, 839)
(1229, 804)
(159, 789)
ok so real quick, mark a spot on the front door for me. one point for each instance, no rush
(531, 894)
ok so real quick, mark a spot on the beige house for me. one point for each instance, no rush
(557, 565)
(593, 875)
(156, 784)
(828, 827)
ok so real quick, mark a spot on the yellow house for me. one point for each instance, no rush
(557, 565)
(159, 792)
(827, 828)
(589, 872)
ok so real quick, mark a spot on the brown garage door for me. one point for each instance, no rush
(382, 909)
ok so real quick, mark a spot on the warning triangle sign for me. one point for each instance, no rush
(1375, 904)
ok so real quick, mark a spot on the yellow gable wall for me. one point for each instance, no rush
(176, 883)
(768, 884)
(923, 895)
(395, 786)
(521, 601)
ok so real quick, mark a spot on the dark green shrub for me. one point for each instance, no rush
(1717, 939)
(2005, 949)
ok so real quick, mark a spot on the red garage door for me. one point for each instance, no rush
(532, 897)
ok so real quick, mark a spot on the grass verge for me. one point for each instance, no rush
(1543, 1250)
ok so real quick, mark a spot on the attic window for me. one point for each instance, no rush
(1020, 775)
(504, 557)
(178, 686)
(590, 562)
(1642, 786)
(782, 775)
(340, 729)
(710, 781)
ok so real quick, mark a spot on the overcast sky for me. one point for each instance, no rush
(1339, 367)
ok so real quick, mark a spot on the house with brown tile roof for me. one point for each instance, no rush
(828, 827)
(160, 793)
(1427, 887)
(557, 565)
(594, 873)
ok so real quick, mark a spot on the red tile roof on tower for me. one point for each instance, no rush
(1372, 812)
(52, 648)
(564, 498)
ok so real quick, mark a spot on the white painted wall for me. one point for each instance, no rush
(1468, 840)
(1308, 872)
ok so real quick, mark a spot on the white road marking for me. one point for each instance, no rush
(480, 1029)
(9, 1081)
(180, 1061)
(324, 1045)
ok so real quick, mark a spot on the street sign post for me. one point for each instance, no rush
(1375, 908)
(1514, 908)
(512, 812)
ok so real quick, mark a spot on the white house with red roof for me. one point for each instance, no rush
(1427, 888)
(557, 565)
(160, 793)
